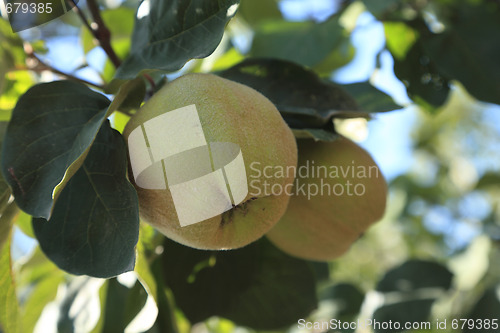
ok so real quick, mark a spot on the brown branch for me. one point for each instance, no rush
(98, 29)
(82, 17)
(102, 33)
(36, 64)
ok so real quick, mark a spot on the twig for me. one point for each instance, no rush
(36, 64)
(98, 29)
(82, 17)
(102, 33)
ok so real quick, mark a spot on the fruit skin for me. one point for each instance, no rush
(229, 112)
(324, 227)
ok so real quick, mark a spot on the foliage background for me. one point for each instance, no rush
(433, 256)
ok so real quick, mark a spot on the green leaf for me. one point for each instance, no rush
(4, 188)
(122, 50)
(36, 269)
(468, 50)
(304, 100)
(75, 301)
(489, 180)
(369, 98)
(23, 221)
(6, 220)
(487, 308)
(424, 82)
(9, 314)
(416, 274)
(247, 285)
(16, 84)
(399, 38)
(133, 96)
(169, 33)
(142, 267)
(255, 12)
(11, 51)
(347, 298)
(379, 8)
(95, 225)
(294, 41)
(120, 22)
(321, 270)
(41, 293)
(316, 134)
(122, 305)
(339, 57)
(103, 292)
(228, 59)
(52, 126)
(166, 319)
(414, 311)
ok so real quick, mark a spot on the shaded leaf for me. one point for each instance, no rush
(339, 57)
(415, 274)
(257, 286)
(95, 225)
(74, 302)
(4, 188)
(379, 8)
(424, 82)
(294, 41)
(401, 313)
(52, 126)
(369, 98)
(487, 308)
(134, 95)
(347, 297)
(316, 134)
(304, 100)
(468, 50)
(122, 305)
(166, 319)
(321, 270)
(488, 180)
(169, 33)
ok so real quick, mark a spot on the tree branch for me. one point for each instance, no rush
(36, 64)
(98, 29)
(83, 18)
(102, 33)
